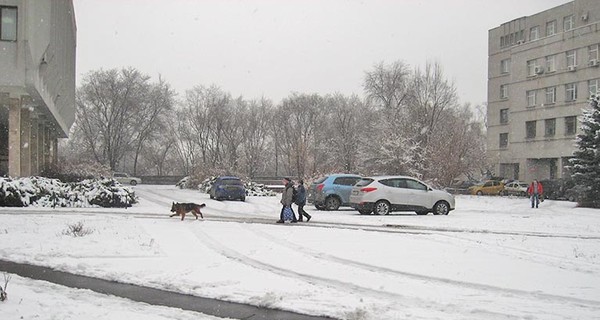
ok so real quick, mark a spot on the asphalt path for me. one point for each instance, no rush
(214, 307)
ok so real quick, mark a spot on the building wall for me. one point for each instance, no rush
(41, 63)
(37, 85)
(544, 155)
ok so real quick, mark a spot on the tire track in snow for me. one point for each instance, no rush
(372, 268)
(407, 301)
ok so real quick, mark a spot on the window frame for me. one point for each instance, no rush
(570, 125)
(505, 66)
(503, 140)
(531, 98)
(593, 52)
(532, 33)
(571, 20)
(552, 23)
(593, 83)
(551, 63)
(504, 91)
(530, 129)
(550, 127)
(571, 91)
(571, 55)
(531, 65)
(504, 116)
(552, 92)
(16, 25)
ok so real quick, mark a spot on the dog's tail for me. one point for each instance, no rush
(202, 205)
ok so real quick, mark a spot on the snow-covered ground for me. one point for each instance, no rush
(491, 258)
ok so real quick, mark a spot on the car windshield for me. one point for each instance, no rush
(231, 182)
(363, 182)
(321, 180)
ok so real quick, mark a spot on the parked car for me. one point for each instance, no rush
(332, 191)
(384, 194)
(228, 187)
(515, 188)
(459, 187)
(490, 187)
(124, 178)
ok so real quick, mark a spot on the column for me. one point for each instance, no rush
(33, 146)
(14, 137)
(25, 142)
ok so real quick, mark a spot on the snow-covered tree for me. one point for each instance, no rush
(586, 162)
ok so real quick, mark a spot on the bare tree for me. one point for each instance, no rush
(107, 103)
(256, 135)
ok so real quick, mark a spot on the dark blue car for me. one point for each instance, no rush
(230, 188)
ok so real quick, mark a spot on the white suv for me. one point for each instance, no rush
(382, 195)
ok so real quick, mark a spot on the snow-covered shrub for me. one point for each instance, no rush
(44, 192)
(258, 189)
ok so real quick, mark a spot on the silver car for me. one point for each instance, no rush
(384, 194)
(124, 178)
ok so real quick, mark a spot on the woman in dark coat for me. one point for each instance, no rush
(301, 201)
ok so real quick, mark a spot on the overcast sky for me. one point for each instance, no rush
(272, 48)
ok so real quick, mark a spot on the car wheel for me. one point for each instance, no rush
(479, 193)
(364, 211)
(441, 208)
(211, 196)
(243, 199)
(133, 182)
(422, 212)
(382, 208)
(332, 203)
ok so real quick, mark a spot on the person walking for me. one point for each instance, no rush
(301, 201)
(286, 200)
(535, 191)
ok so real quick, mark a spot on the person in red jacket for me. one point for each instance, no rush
(535, 191)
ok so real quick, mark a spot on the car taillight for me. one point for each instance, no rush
(320, 187)
(368, 189)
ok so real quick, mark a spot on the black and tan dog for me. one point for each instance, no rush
(181, 209)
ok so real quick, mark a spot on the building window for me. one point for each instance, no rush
(531, 98)
(550, 63)
(550, 95)
(504, 91)
(534, 33)
(570, 125)
(570, 91)
(593, 52)
(505, 66)
(571, 59)
(550, 125)
(568, 23)
(531, 67)
(530, 129)
(503, 140)
(593, 87)
(551, 28)
(503, 116)
(8, 23)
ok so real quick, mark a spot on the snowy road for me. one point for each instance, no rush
(491, 258)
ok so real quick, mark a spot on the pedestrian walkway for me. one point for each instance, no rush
(214, 307)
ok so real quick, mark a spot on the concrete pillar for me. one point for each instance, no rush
(25, 141)
(14, 137)
(33, 146)
(47, 143)
(41, 142)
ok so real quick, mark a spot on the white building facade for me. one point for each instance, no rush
(542, 70)
(37, 82)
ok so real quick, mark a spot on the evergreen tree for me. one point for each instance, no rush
(585, 166)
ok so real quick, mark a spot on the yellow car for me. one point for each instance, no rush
(490, 187)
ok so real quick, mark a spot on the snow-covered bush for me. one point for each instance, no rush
(44, 192)
(77, 230)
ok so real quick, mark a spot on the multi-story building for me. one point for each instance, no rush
(37, 82)
(542, 70)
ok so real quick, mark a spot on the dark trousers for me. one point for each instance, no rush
(302, 213)
(281, 214)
